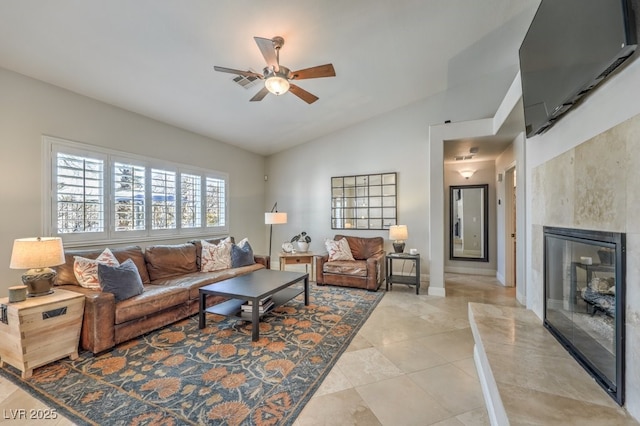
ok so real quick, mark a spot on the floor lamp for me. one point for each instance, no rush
(274, 217)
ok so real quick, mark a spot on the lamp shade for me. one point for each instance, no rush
(398, 232)
(36, 253)
(275, 218)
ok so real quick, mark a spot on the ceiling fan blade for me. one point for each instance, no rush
(303, 94)
(315, 72)
(260, 95)
(268, 50)
(239, 72)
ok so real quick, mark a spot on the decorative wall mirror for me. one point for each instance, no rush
(469, 213)
(363, 201)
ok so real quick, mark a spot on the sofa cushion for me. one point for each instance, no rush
(242, 254)
(165, 261)
(122, 280)
(363, 247)
(65, 274)
(346, 267)
(153, 300)
(338, 250)
(216, 257)
(86, 270)
(198, 244)
(195, 280)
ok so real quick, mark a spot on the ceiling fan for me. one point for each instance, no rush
(277, 78)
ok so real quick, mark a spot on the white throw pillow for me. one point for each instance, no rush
(86, 270)
(216, 257)
(338, 250)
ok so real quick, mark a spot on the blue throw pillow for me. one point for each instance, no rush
(123, 281)
(241, 254)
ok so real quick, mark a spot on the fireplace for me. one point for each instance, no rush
(584, 296)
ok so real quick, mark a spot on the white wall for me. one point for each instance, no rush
(610, 104)
(30, 108)
(300, 178)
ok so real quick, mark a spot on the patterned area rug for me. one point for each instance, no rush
(181, 375)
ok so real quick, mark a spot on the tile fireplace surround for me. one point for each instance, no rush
(594, 186)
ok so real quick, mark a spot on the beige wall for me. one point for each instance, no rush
(30, 109)
(583, 173)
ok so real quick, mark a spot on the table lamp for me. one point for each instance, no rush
(274, 217)
(37, 255)
(399, 234)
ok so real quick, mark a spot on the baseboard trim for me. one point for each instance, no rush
(470, 271)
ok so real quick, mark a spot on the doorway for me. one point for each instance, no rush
(510, 227)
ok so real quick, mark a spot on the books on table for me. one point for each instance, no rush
(263, 306)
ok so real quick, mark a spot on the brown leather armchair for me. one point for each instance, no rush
(366, 271)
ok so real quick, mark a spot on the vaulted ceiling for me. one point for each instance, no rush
(156, 58)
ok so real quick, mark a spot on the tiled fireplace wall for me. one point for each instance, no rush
(596, 186)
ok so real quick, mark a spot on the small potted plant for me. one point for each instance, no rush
(302, 240)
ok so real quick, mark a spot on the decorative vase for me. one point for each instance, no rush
(303, 246)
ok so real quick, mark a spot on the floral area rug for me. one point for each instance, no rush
(181, 375)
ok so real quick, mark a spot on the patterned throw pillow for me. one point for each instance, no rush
(216, 257)
(338, 250)
(242, 254)
(123, 280)
(86, 270)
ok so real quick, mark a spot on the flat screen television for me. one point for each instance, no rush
(570, 47)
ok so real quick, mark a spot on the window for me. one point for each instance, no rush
(130, 200)
(79, 193)
(100, 195)
(191, 200)
(163, 199)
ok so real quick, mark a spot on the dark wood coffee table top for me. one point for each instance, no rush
(257, 284)
(253, 287)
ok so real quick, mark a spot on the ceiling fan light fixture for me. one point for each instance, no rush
(277, 85)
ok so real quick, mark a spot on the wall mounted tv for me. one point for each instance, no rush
(571, 46)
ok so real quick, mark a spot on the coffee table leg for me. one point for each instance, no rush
(255, 321)
(306, 291)
(202, 319)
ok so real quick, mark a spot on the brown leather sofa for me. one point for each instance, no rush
(366, 271)
(171, 278)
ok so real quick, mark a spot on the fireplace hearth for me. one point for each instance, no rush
(584, 300)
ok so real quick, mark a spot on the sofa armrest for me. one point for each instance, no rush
(263, 259)
(98, 322)
(320, 261)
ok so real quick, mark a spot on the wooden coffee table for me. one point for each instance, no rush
(252, 288)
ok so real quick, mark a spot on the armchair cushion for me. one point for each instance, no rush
(346, 267)
(338, 250)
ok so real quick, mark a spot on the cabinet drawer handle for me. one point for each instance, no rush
(54, 313)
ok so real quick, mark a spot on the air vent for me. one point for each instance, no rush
(463, 157)
(246, 82)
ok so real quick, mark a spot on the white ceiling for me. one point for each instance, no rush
(156, 57)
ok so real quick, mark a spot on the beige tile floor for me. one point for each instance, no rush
(410, 364)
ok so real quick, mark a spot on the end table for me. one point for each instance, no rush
(40, 330)
(403, 279)
(298, 258)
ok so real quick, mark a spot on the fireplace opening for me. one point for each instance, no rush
(584, 296)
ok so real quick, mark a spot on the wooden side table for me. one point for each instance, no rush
(40, 330)
(298, 258)
(403, 279)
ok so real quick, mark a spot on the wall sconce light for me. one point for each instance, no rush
(467, 173)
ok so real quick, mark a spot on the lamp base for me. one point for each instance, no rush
(398, 247)
(39, 281)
